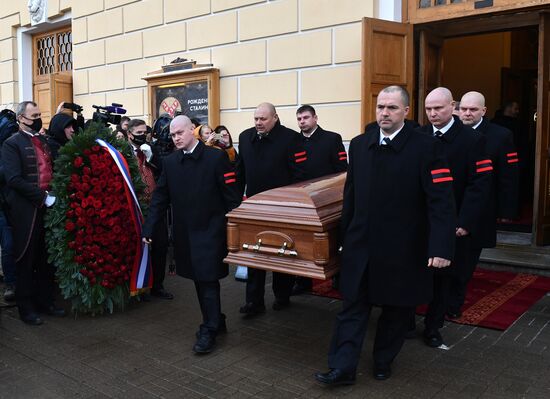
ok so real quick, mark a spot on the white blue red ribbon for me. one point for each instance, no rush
(141, 277)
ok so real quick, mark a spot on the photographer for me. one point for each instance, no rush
(221, 138)
(62, 128)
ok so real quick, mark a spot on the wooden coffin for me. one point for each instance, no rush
(292, 229)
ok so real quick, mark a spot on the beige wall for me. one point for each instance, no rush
(289, 52)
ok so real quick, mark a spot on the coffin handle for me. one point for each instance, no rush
(256, 247)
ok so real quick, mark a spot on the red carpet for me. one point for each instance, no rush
(494, 299)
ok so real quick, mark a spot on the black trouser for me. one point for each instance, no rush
(159, 250)
(438, 307)
(305, 283)
(255, 286)
(208, 294)
(351, 327)
(35, 276)
(459, 283)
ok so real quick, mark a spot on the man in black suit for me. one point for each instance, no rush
(398, 225)
(471, 169)
(325, 155)
(271, 156)
(201, 186)
(504, 196)
(28, 170)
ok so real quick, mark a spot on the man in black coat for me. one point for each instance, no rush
(28, 170)
(271, 156)
(325, 155)
(397, 224)
(471, 170)
(61, 130)
(504, 196)
(201, 186)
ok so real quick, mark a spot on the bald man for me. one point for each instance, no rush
(471, 170)
(503, 202)
(271, 156)
(200, 184)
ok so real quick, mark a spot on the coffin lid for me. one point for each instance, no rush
(316, 202)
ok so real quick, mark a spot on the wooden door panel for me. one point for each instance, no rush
(430, 65)
(541, 206)
(387, 60)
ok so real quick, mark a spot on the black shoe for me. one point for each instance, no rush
(251, 309)
(222, 329)
(31, 318)
(454, 315)
(281, 304)
(9, 293)
(433, 338)
(52, 310)
(205, 344)
(381, 372)
(161, 293)
(336, 377)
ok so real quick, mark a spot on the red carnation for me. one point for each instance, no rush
(69, 226)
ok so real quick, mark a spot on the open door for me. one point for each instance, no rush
(541, 204)
(56, 89)
(387, 60)
(430, 68)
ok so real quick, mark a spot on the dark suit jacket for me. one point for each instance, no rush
(325, 154)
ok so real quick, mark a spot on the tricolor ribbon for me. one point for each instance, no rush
(142, 276)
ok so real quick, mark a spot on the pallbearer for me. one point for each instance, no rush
(398, 225)
(201, 186)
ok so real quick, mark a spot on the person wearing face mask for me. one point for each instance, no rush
(28, 170)
(62, 128)
(149, 171)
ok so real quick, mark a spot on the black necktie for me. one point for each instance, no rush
(438, 134)
(385, 141)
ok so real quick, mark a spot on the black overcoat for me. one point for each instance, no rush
(202, 188)
(504, 195)
(24, 197)
(472, 169)
(325, 153)
(273, 161)
(398, 211)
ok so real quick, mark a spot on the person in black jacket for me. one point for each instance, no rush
(61, 130)
(325, 155)
(270, 156)
(471, 171)
(201, 186)
(28, 170)
(398, 225)
(504, 196)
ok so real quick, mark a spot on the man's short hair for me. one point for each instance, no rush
(133, 123)
(124, 119)
(306, 108)
(401, 90)
(22, 107)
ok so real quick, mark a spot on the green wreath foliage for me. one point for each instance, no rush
(85, 297)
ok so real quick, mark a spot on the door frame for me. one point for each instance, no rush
(498, 23)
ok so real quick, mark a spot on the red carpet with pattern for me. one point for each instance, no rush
(494, 300)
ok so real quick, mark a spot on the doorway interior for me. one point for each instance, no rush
(503, 66)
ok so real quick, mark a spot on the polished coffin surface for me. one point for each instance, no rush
(292, 229)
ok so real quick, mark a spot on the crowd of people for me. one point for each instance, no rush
(419, 205)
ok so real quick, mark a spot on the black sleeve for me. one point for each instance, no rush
(240, 169)
(296, 159)
(348, 205)
(507, 179)
(437, 184)
(338, 156)
(11, 158)
(228, 183)
(158, 206)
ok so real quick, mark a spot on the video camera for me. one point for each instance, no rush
(73, 107)
(109, 114)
